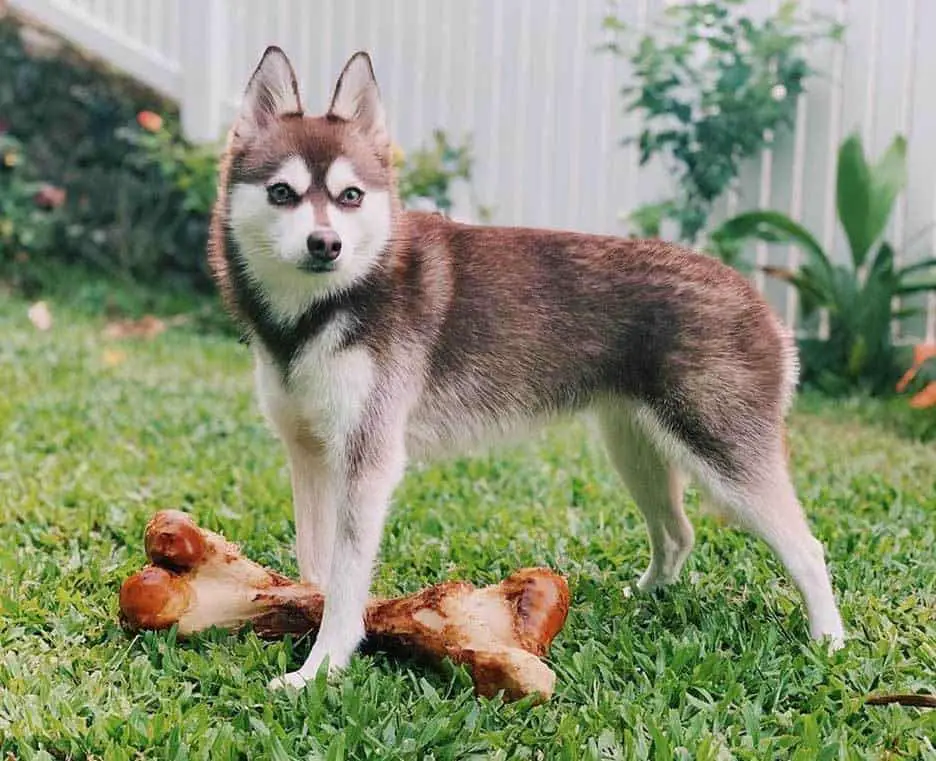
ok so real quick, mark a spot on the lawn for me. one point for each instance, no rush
(98, 435)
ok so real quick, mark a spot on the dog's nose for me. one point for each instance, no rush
(324, 245)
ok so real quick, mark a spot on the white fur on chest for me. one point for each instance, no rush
(327, 393)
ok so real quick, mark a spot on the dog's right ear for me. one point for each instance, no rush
(271, 92)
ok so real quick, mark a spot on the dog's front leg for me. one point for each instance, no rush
(373, 465)
(314, 507)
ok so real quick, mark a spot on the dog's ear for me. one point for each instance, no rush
(271, 92)
(357, 98)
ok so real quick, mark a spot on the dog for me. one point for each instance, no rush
(381, 334)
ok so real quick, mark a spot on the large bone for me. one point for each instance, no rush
(198, 580)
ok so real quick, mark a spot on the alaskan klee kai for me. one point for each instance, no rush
(381, 334)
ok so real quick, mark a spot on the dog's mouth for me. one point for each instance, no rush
(317, 266)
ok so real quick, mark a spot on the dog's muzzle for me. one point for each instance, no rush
(323, 248)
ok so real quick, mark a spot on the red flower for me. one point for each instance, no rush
(150, 121)
(49, 197)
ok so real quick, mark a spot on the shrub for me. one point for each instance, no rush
(28, 208)
(429, 173)
(713, 87)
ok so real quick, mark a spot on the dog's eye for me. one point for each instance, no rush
(281, 194)
(351, 197)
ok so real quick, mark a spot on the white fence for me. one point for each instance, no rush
(522, 77)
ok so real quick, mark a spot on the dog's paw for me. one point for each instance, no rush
(295, 680)
(835, 643)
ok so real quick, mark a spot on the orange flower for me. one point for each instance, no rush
(925, 398)
(921, 354)
(150, 121)
(49, 197)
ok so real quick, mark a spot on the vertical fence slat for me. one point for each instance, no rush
(796, 192)
(204, 63)
(633, 152)
(494, 114)
(763, 197)
(904, 122)
(835, 136)
(575, 149)
(607, 140)
(871, 79)
(547, 136)
(520, 107)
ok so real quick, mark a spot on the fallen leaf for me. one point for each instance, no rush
(40, 316)
(146, 327)
(114, 357)
(910, 699)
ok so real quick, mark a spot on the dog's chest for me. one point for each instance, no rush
(327, 390)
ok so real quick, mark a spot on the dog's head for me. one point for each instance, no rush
(311, 200)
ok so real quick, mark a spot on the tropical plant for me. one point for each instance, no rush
(859, 296)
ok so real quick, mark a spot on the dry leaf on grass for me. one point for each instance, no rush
(40, 316)
(114, 357)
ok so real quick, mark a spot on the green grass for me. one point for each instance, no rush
(717, 667)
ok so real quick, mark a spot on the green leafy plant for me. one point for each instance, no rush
(428, 174)
(860, 295)
(713, 87)
(191, 170)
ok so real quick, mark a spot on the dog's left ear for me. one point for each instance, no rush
(271, 93)
(357, 98)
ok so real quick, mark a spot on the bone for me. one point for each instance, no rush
(197, 580)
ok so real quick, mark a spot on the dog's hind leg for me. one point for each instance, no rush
(743, 468)
(657, 487)
(767, 507)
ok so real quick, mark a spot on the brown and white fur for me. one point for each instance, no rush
(426, 335)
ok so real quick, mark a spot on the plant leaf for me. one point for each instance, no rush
(865, 195)
(923, 286)
(888, 178)
(811, 294)
(853, 196)
(883, 264)
(774, 227)
(923, 264)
